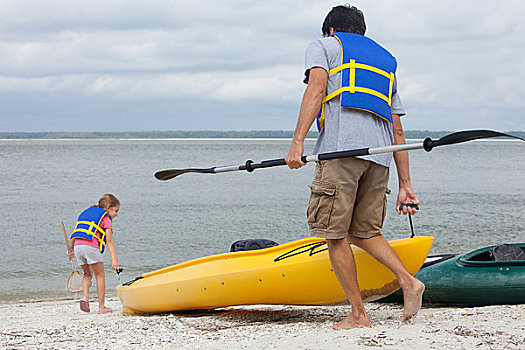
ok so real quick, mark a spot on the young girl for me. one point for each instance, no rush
(92, 234)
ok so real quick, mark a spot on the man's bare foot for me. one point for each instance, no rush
(412, 298)
(352, 321)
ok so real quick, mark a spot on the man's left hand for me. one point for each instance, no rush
(406, 196)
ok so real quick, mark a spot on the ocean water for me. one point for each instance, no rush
(472, 195)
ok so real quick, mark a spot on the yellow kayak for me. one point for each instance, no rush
(294, 273)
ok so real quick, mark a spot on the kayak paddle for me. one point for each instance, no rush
(428, 144)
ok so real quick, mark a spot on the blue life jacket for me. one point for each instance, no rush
(367, 77)
(88, 224)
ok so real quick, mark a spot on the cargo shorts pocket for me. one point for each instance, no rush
(320, 205)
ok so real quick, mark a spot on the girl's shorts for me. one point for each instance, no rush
(87, 254)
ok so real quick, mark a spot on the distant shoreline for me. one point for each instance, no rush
(159, 139)
(309, 139)
(197, 135)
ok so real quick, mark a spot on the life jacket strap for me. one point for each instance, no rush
(352, 88)
(90, 231)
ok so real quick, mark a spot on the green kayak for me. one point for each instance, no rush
(475, 278)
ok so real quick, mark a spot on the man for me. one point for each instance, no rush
(352, 92)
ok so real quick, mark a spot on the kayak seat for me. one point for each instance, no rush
(507, 252)
(483, 256)
(251, 244)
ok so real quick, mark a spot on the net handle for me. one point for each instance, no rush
(65, 234)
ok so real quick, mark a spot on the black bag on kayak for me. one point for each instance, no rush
(252, 244)
(506, 252)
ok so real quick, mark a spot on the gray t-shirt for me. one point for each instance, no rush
(348, 128)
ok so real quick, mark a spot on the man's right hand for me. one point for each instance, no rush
(293, 158)
(310, 105)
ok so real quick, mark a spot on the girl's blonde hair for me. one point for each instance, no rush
(108, 201)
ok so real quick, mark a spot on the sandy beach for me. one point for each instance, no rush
(61, 325)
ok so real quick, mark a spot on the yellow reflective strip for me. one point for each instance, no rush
(371, 92)
(100, 239)
(340, 67)
(90, 231)
(84, 222)
(99, 229)
(352, 76)
(373, 69)
(390, 87)
(91, 225)
(356, 89)
(321, 118)
(337, 69)
(332, 95)
(76, 227)
(359, 66)
(84, 230)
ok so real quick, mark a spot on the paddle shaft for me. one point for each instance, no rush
(250, 166)
(428, 144)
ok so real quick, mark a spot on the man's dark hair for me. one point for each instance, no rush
(344, 19)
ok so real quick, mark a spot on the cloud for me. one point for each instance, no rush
(460, 64)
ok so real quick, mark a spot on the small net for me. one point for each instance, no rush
(74, 282)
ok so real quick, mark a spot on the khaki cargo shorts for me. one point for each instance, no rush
(348, 197)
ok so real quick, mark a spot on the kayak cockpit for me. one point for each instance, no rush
(501, 255)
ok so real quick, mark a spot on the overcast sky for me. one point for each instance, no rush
(132, 65)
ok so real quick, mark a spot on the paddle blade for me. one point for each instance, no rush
(464, 136)
(165, 175)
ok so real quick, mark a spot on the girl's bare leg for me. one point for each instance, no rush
(86, 281)
(100, 276)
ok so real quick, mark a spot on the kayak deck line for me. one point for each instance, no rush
(238, 255)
